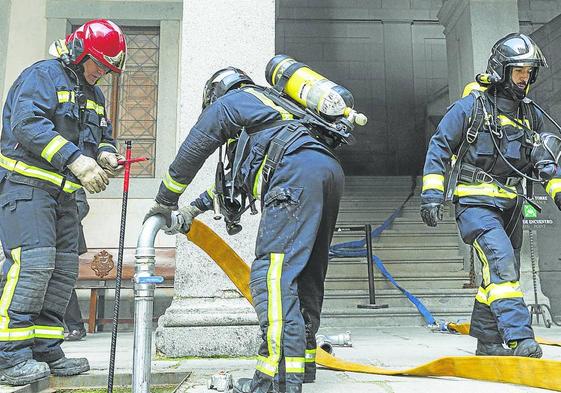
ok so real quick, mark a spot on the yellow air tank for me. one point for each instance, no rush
(311, 90)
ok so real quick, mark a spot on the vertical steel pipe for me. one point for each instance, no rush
(144, 284)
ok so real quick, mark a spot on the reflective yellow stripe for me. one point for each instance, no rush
(17, 334)
(172, 185)
(310, 356)
(266, 366)
(258, 182)
(53, 147)
(481, 296)
(294, 364)
(69, 96)
(54, 332)
(505, 121)
(485, 268)
(274, 312)
(37, 173)
(505, 290)
(285, 115)
(211, 190)
(482, 189)
(66, 96)
(104, 144)
(9, 288)
(553, 187)
(433, 182)
(95, 106)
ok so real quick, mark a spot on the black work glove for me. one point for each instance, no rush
(558, 200)
(431, 213)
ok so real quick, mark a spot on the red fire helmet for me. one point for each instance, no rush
(102, 40)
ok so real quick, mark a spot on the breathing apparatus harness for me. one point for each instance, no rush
(471, 174)
(230, 201)
(64, 54)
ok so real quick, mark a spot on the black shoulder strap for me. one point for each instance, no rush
(479, 115)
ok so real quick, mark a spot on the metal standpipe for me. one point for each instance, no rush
(144, 284)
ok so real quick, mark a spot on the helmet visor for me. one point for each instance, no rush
(520, 52)
(117, 61)
(99, 64)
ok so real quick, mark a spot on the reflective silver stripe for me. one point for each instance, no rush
(433, 182)
(49, 332)
(310, 355)
(17, 334)
(506, 290)
(53, 147)
(37, 173)
(294, 364)
(266, 366)
(172, 185)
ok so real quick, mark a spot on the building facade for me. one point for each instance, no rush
(403, 60)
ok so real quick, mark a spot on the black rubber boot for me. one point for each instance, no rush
(492, 349)
(527, 348)
(65, 367)
(24, 373)
(250, 385)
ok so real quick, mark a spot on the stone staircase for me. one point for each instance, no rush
(426, 261)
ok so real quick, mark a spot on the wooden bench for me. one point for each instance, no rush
(95, 276)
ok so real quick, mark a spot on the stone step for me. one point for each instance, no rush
(431, 298)
(413, 281)
(402, 224)
(396, 239)
(386, 203)
(357, 267)
(366, 215)
(377, 179)
(415, 253)
(390, 208)
(350, 317)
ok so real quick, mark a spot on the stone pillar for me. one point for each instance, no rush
(208, 317)
(471, 28)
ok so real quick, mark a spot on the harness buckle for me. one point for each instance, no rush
(471, 135)
(483, 177)
(266, 173)
(512, 181)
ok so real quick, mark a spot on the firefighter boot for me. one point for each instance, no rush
(527, 347)
(492, 349)
(66, 367)
(24, 373)
(254, 385)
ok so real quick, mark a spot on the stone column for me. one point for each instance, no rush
(208, 316)
(471, 28)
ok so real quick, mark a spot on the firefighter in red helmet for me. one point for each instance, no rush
(56, 138)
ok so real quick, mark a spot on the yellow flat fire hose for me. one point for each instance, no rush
(540, 373)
